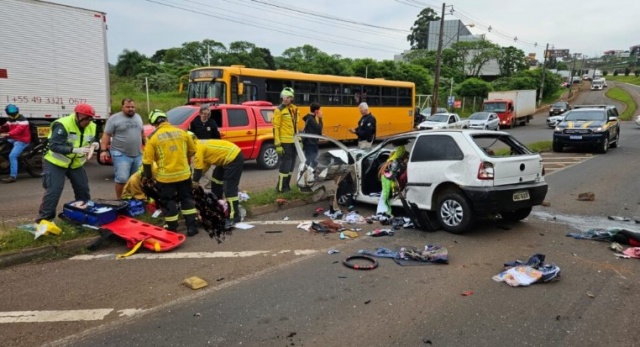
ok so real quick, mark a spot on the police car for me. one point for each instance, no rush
(595, 126)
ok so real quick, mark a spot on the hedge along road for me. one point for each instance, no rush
(20, 200)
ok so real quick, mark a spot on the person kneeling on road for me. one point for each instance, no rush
(228, 159)
(169, 147)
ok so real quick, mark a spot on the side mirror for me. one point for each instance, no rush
(240, 88)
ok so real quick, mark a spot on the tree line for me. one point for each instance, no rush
(461, 64)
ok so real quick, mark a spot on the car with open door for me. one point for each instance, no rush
(453, 176)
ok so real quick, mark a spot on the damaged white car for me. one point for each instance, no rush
(453, 177)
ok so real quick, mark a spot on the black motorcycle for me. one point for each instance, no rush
(30, 159)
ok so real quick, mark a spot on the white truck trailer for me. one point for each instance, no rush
(53, 57)
(513, 106)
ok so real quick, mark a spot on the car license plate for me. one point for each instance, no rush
(43, 132)
(575, 137)
(520, 196)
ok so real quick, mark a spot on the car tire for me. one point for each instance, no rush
(268, 158)
(616, 142)
(454, 212)
(557, 147)
(604, 146)
(517, 215)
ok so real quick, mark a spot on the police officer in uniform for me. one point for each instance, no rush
(285, 122)
(169, 147)
(70, 141)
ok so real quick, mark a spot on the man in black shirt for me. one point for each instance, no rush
(366, 130)
(312, 125)
(205, 128)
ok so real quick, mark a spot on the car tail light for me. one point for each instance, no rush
(485, 171)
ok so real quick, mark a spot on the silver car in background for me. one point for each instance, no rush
(484, 121)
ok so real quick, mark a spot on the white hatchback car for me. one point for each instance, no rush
(453, 176)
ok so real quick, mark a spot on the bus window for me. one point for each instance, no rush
(389, 96)
(352, 94)
(329, 94)
(274, 87)
(208, 90)
(371, 95)
(305, 92)
(404, 97)
(250, 93)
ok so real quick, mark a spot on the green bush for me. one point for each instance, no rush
(605, 72)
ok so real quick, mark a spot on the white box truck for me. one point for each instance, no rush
(52, 57)
(513, 106)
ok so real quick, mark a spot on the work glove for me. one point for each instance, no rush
(279, 150)
(195, 185)
(80, 150)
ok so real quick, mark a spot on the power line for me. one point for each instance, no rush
(244, 23)
(321, 15)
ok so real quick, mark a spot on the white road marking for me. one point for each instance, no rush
(280, 222)
(192, 255)
(130, 312)
(53, 316)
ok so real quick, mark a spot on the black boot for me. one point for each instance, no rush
(286, 181)
(229, 224)
(171, 226)
(192, 227)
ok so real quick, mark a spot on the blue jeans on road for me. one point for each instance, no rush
(18, 147)
(311, 154)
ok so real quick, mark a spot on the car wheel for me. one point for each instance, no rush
(517, 215)
(268, 158)
(616, 142)
(557, 147)
(604, 146)
(454, 212)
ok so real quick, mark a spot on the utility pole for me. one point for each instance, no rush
(544, 73)
(436, 82)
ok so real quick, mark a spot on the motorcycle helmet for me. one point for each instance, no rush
(12, 110)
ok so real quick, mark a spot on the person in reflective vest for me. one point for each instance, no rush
(228, 160)
(170, 147)
(71, 139)
(285, 126)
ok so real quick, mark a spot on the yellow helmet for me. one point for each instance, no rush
(287, 91)
(156, 115)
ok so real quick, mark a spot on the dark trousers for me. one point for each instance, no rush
(311, 154)
(230, 176)
(168, 193)
(288, 159)
(53, 178)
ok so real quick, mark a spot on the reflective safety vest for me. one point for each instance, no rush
(214, 152)
(76, 138)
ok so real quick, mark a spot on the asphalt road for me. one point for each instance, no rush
(21, 199)
(275, 285)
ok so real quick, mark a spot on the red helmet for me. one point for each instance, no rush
(85, 109)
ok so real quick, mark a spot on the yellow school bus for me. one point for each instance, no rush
(391, 102)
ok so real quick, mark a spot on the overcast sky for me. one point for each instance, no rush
(362, 28)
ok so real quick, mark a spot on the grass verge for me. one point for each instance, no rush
(619, 94)
(269, 196)
(14, 239)
(624, 79)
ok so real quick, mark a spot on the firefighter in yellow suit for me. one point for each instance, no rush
(285, 125)
(228, 160)
(170, 148)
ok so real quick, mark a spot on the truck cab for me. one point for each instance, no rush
(504, 109)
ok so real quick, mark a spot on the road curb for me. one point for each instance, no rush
(71, 246)
(27, 255)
